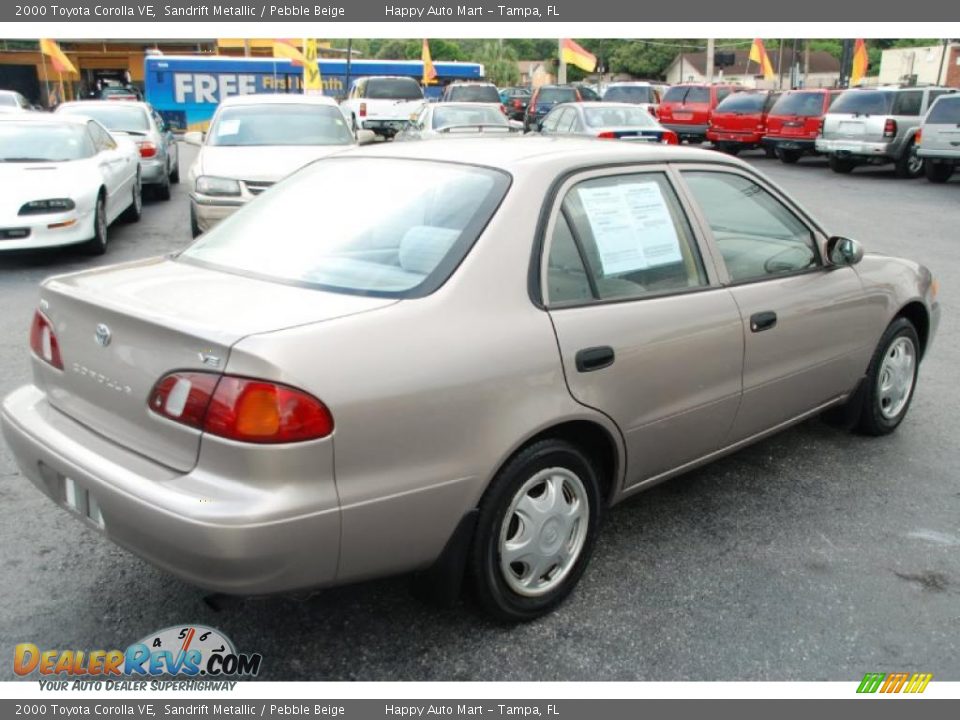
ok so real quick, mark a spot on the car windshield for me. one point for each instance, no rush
(446, 116)
(44, 142)
(945, 112)
(630, 94)
(743, 103)
(279, 124)
(557, 95)
(863, 102)
(803, 104)
(393, 227)
(598, 117)
(474, 93)
(119, 117)
(394, 89)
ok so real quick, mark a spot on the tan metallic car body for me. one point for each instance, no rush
(436, 398)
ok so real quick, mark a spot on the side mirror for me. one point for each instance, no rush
(365, 137)
(194, 137)
(844, 251)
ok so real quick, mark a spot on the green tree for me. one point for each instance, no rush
(499, 63)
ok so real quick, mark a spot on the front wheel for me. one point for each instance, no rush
(135, 208)
(938, 172)
(891, 379)
(536, 530)
(97, 245)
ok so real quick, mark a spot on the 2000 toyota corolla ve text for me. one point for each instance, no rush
(457, 372)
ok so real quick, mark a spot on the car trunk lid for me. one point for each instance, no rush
(123, 328)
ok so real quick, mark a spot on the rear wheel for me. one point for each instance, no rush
(536, 529)
(788, 156)
(97, 245)
(891, 379)
(909, 164)
(162, 191)
(769, 151)
(841, 165)
(135, 209)
(937, 172)
(175, 173)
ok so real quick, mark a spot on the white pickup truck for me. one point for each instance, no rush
(383, 104)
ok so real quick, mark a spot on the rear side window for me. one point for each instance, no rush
(908, 103)
(393, 89)
(945, 112)
(621, 237)
(802, 104)
(864, 102)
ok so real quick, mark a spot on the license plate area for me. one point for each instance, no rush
(75, 497)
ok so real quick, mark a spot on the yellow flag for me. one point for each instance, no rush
(759, 55)
(286, 48)
(573, 54)
(429, 72)
(860, 62)
(59, 61)
(312, 81)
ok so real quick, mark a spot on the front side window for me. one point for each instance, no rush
(756, 234)
(621, 237)
(425, 220)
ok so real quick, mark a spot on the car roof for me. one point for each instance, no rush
(630, 83)
(470, 82)
(519, 153)
(277, 99)
(56, 118)
(104, 103)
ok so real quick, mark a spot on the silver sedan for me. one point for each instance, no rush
(607, 121)
(452, 119)
(458, 378)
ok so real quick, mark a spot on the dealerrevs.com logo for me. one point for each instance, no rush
(898, 682)
(188, 653)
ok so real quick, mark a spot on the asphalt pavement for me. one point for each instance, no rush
(815, 555)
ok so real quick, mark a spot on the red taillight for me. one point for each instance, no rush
(607, 135)
(918, 136)
(890, 128)
(147, 149)
(363, 109)
(242, 409)
(669, 137)
(43, 341)
(517, 105)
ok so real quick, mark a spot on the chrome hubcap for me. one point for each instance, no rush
(896, 377)
(543, 532)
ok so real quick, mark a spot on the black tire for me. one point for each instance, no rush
(769, 151)
(789, 157)
(909, 165)
(135, 209)
(492, 590)
(937, 172)
(195, 230)
(841, 165)
(873, 420)
(353, 124)
(175, 174)
(97, 245)
(162, 191)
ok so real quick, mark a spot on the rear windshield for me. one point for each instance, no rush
(804, 104)
(743, 103)
(474, 93)
(687, 94)
(945, 112)
(118, 117)
(630, 94)
(293, 124)
(599, 117)
(393, 89)
(459, 115)
(426, 217)
(863, 102)
(557, 95)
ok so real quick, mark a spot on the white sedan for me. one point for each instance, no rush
(66, 179)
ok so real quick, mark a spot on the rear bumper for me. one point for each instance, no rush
(217, 531)
(383, 127)
(858, 148)
(788, 143)
(153, 172)
(728, 136)
(686, 132)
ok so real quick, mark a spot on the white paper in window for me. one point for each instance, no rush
(228, 127)
(631, 226)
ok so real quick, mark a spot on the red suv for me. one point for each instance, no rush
(740, 121)
(795, 121)
(686, 109)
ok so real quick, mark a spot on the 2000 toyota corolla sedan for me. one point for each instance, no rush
(456, 371)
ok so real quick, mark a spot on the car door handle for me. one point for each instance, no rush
(594, 358)
(763, 321)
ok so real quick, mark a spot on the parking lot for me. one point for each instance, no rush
(814, 555)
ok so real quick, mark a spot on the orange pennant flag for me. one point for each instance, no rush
(429, 72)
(860, 62)
(758, 54)
(286, 48)
(59, 61)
